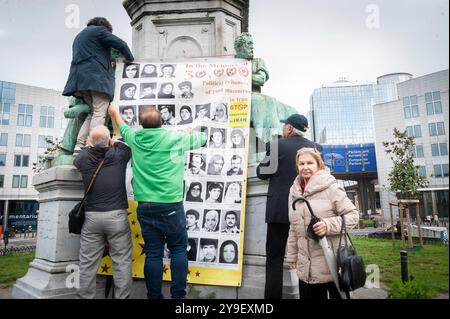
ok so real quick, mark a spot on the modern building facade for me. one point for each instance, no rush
(341, 112)
(422, 109)
(28, 117)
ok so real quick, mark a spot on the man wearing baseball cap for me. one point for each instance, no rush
(279, 168)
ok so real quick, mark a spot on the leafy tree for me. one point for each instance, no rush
(404, 178)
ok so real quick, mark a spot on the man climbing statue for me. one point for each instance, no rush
(91, 76)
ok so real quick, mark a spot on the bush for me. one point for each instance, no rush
(366, 223)
(411, 289)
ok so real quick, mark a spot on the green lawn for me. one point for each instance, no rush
(428, 264)
(14, 266)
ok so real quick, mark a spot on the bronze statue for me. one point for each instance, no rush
(266, 111)
(76, 113)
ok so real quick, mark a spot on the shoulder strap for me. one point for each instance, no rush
(345, 234)
(92, 180)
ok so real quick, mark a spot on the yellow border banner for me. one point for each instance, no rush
(212, 96)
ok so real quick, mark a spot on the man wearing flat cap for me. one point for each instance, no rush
(279, 167)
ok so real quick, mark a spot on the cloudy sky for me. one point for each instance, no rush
(304, 43)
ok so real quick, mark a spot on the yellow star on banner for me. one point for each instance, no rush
(143, 251)
(105, 268)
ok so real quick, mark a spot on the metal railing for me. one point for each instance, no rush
(17, 249)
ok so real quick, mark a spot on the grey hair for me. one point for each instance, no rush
(297, 131)
(102, 140)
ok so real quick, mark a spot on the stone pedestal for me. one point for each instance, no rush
(60, 188)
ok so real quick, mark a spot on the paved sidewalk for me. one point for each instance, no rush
(369, 293)
(21, 241)
(5, 293)
(362, 293)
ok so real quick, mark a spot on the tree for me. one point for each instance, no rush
(404, 178)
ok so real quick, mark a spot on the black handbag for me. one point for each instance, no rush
(76, 215)
(351, 269)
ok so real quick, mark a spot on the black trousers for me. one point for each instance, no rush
(318, 291)
(277, 235)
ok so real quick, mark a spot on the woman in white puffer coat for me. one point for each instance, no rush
(329, 202)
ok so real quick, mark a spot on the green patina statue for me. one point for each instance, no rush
(76, 113)
(266, 111)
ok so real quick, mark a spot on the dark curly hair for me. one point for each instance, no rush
(101, 22)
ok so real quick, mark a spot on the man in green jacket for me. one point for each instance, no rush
(158, 173)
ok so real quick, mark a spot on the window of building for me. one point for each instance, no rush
(442, 202)
(23, 140)
(439, 149)
(434, 149)
(20, 181)
(24, 181)
(422, 171)
(47, 118)
(17, 160)
(445, 170)
(433, 102)
(414, 131)
(440, 128)
(432, 129)
(25, 115)
(410, 106)
(2, 159)
(417, 131)
(407, 111)
(42, 143)
(2, 180)
(3, 139)
(440, 170)
(19, 139)
(415, 110)
(436, 128)
(21, 160)
(16, 181)
(443, 148)
(417, 151)
(437, 170)
(410, 130)
(5, 110)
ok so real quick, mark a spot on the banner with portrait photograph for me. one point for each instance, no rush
(212, 96)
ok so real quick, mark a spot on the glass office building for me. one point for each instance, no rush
(28, 117)
(341, 112)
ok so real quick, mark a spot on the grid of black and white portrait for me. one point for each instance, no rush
(214, 174)
(161, 86)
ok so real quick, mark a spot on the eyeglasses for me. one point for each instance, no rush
(196, 188)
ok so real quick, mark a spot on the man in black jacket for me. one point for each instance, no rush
(106, 216)
(91, 74)
(279, 166)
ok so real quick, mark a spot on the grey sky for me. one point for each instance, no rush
(304, 43)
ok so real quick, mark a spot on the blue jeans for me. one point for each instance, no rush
(164, 223)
